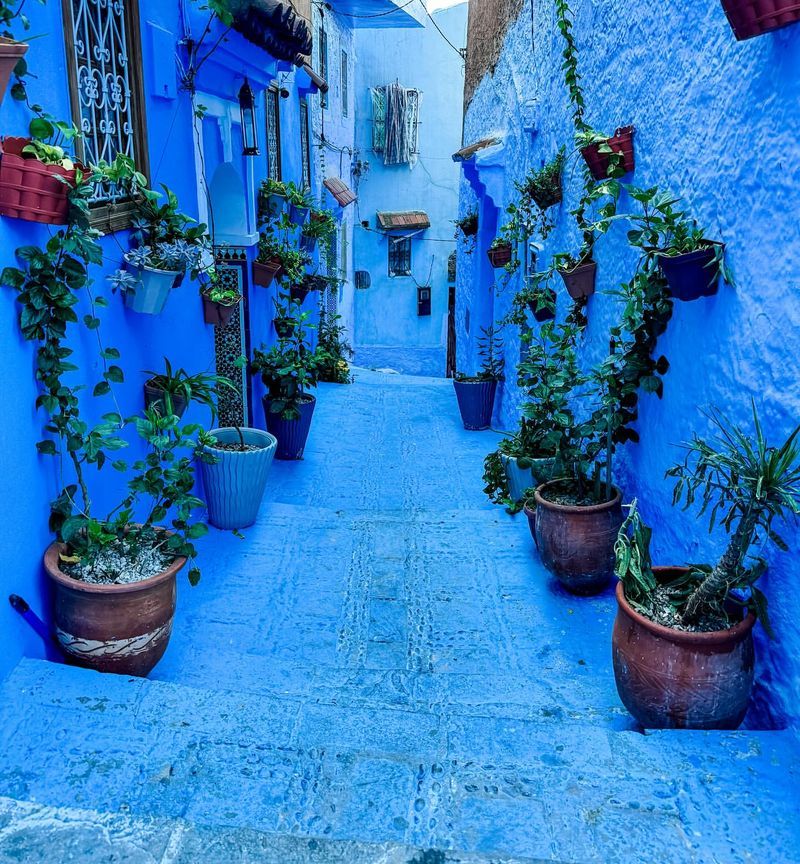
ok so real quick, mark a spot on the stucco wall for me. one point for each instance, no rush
(386, 313)
(717, 122)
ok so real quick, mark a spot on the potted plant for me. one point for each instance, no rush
(500, 253)
(276, 258)
(682, 644)
(308, 282)
(468, 224)
(537, 297)
(320, 226)
(287, 370)
(219, 302)
(579, 274)
(273, 199)
(300, 204)
(11, 51)
(475, 394)
(608, 157)
(235, 475)
(287, 313)
(333, 350)
(749, 19)
(543, 187)
(150, 274)
(171, 391)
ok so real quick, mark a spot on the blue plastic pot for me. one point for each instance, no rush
(535, 472)
(235, 483)
(298, 215)
(276, 204)
(476, 403)
(308, 244)
(291, 434)
(692, 275)
(152, 289)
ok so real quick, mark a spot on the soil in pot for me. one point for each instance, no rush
(292, 435)
(575, 536)
(674, 679)
(475, 402)
(154, 397)
(580, 281)
(117, 627)
(620, 142)
(11, 53)
(693, 274)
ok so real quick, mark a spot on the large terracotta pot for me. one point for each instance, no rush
(576, 543)
(31, 190)
(580, 280)
(670, 679)
(620, 142)
(11, 53)
(749, 18)
(113, 628)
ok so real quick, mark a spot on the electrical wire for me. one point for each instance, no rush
(458, 51)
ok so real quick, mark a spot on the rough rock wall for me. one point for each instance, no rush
(486, 30)
(717, 122)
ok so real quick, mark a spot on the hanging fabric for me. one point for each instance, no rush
(395, 123)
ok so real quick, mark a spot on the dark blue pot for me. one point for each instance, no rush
(476, 403)
(692, 275)
(308, 244)
(545, 313)
(291, 434)
(298, 215)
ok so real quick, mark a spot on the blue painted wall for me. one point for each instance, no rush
(388, 331)
(29, 482)
(717, 122)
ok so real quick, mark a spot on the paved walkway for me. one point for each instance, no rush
(380, 672)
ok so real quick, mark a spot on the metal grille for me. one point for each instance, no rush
(103, 78)
(399, 256)
(305, 144)
(273, 118)
(378, 119)
(230, 342)
(323, 64)
(345, 88)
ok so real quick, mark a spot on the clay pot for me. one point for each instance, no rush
(265, 271)
(693, 274)
(11, 53)
(749, 18)
(545, 313)
(154, 397)
(499, 256)
(576, 543)
(670, 679)
(620, 142)
(547, 199)
(580, 281)
(291, 434)
(31, 190)
(476, 403)
(112, 628)
(218, 313)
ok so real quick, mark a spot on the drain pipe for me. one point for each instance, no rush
(22, 607)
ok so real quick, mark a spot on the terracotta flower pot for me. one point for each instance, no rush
(218, 314)
(154, 397)
(580, 281)
(476, 403)
(620, 142)
(31, 190)
(499, 256)
(11, 53)
(576, 543)
(291, 434)
(670, 679)
(749, 18)
(693, 274)
(265, 271)
(113, 628)
(544, 199)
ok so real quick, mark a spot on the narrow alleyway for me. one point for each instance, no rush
(380, 667)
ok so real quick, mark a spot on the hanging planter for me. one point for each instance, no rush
(284, 327)
(151, 290)
(264, 272)
(749, 18)
(475, 402)
(544, 311)
(11, 53)
(155, 397)
(298, 214)
(693, 274)
(216, 313)
(235, 482)
(31, 190)
(292, 434)
(308, 244)
(580, 280)
(299, 292)
(621, 142)
(499, 254)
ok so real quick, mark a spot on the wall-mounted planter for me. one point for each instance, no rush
(291, 434)
(153, 289)
(544, 199)
(298, 215)
(218, 313)
(298, 292)
(284, 327)
(31, 190)
(11, 53)
(693, 274)
(524, 474)
(308, 244)
(476, 403)
(576, 543)
(265, 271)
(580, 281)
(154, 398)
(275, 205)
(500, 255)
(671, 679)
(123, 629)
(545, 313)
(749, 18)
(620, 142)
(234, 484)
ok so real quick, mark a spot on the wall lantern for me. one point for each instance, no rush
(247, 105)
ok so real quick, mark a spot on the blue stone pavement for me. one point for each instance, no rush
(380, 672)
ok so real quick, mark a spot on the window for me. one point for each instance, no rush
(323, 63)
(106, 92)
(273, 120)
(399, 256)
(395, 123)
(378, 119)
(345, 95)
(305, 144)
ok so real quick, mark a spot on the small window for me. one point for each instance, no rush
(305, 144)
(273, 121)
(399, 256)
(345, 95)
(323, 63)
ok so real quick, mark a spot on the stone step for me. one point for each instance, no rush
(249, 762)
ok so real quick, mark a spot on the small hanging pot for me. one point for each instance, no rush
(546, 312)
(11, 53)
(284, 327)
(265, 271)
(218, 314)
(298, 215)
(499, 255)
(152, 291)
(693, 274)
(620, 142)
(580, 281)
(308, 244)
(299, 292)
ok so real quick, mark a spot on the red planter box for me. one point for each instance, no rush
(31, 190)
(620, 142)
(749, 18)
(499, 256)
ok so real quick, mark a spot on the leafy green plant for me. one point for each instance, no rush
(321, 225)
(217, 292)
(543, 186)
(298, 197)
(51, 140)
(490, 351)
(293, 261)
(202, 388)
(333, 350)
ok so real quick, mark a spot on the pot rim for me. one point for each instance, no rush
(14, 43)
(583, 509)
(586, 265)
(147, 269)
(58, 575)
(273, 441)
(476, 381)
(702, 250)
(531, 458)
(302, 397)
(714, 637)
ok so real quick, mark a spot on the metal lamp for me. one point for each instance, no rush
(247, 105)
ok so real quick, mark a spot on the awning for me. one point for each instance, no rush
(468, 152)
(273, 26)
(343, 194)
(320, 83)
(409, 220)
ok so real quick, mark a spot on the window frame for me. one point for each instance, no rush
(273, 93)
(305, 142)
(399, 253)
(113, 215)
